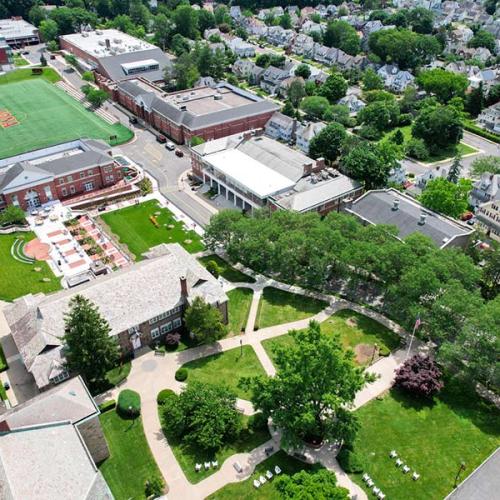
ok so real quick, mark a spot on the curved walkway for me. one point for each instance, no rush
(151, 373)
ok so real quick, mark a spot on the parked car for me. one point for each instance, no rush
(170, 145)
(179, 153)
(161, 139)
(132, 119)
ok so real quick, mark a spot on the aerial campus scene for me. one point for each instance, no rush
(249, 249)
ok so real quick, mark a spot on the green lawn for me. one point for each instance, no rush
(47, 116)
(227, 367)
(18, 278)
(444, 154)
(118, 374)
(354, 329)
(134, 229)
(48, 74)
(226, 270)
(3, 362)
(245, 490)
(130, 463)
(431, 439)
(240, 300)
(188, 456)
(19, 60)
(277, 307)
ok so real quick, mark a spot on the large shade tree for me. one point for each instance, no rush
(316, 378)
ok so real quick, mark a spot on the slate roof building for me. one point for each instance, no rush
(281, 127)
(389, 206)
(58, 172)
(116, 56)
(49, 447)
(207, 112)
(254, 171)
(142, 304)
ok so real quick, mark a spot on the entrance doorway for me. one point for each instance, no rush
(32, 200)
(136, 341)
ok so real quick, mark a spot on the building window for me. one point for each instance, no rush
(64, 192)
(60, 378)
(155, 332)
(60, 180)
(167, 327)
(72, 189)
(70, 178)
(88, 186)
(91, 172)
(48, 192)
(82, 175)
(14, 200)
(177, 322)
(133, 329)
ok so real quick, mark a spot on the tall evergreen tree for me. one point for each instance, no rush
(89, 349)
(455, 169)
(475, 100)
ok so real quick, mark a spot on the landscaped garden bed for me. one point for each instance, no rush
(130, 463)
(357, 332)
(431, 437)
(226, 270)
(278, 306)
(143, 226)
(19, 274)
(228, 366)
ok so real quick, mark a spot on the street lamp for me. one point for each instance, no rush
(241, 348)
(460, 469)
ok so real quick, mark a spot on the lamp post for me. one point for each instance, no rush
(241, 348)
(460, 469)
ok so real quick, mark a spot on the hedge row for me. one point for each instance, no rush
(483, 133)
(107, 405)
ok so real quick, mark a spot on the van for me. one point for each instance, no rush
(170, 145)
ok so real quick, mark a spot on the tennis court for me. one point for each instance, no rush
(45, 115)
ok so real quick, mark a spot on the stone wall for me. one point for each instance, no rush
(92, 434)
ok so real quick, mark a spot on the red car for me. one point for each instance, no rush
(161, 139)
(179, 153)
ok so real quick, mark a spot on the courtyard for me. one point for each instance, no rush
(45, 115)
(145, 225)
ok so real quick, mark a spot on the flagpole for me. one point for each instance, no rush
(411, 338)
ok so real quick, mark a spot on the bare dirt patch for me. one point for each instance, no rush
(364, 353)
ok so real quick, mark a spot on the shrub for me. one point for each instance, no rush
(181, 374)
(88, 76)
(213, 268)
(107, 405)
(154, 487)
(172, 339)
(384, 351)
(164, 395)
(419, 375)
(370, 132)
(129, 403)
(417, 149)
(350, 461)
(146, 186)
(405, 119)
(257, 422)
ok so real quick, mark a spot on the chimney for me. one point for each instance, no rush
(108, 43)
(247, 135)
(320, 165)
(184, 287)
(395, 205)
(4, 426)
(423, 217)
(308, 168)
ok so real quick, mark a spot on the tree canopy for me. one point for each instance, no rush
(447, 197)
(204, 321)
(328, 142)
(315, 378)
(304, 485)
(334, 88)
(443, 84)
(343, 36)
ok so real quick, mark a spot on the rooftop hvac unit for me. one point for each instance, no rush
(314, 179)
(101, 42)
(117, 40)
(324, 175)
(185, 98)
(98, 32)
(192, 93)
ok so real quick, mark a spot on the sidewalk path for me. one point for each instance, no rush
(151, 373)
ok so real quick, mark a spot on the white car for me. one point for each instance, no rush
(170, 145)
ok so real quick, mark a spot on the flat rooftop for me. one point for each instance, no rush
(94, 42)
(11, 29)
(378, 207)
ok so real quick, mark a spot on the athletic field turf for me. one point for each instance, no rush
(39, 114)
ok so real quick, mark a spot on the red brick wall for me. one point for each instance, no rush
(65, 45)
(4, 55)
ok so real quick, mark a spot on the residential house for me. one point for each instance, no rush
(292, 9)
(307, 12)
(394, 78)
(331, 10)
(235, 13)
(274, 12)
(281, 127)
(353, 102)
(488, 77)
(489, 119)
(279, 37)
(272, 78)
(141, 303)
(322, 10)
(254, 26)
(481, 54)
(389, 206)
(306, 132)
(243, 68)
(241, 48)
(488, 218)
(303, 45)
(217, 47)
(212, 32)
(310, 26)
(487, 188)
(285, 85)
(458, 39)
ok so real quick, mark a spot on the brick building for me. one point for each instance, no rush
(254, 171)
(6, 57)
(142, 304)
(59, 172)
(207, 112)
